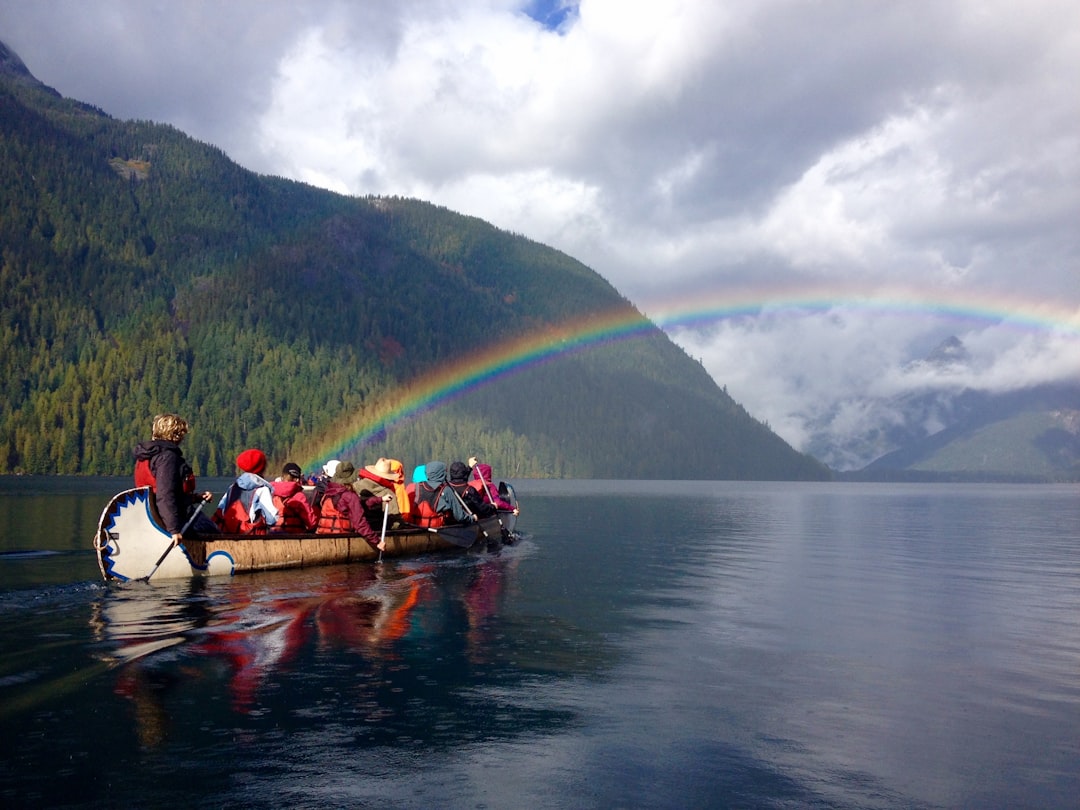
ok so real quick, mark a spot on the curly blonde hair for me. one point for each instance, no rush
(170, 427)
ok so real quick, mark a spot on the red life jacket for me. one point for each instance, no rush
(331, 520)
(426, 499)
(236, 518)
(144, 477)
(289, 519)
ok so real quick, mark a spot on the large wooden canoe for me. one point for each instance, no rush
(130, 541)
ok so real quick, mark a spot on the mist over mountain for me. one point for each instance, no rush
(143, 271)
(1032, 434)
(945, 430)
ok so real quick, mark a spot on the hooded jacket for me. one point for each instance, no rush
(481, 481)
(349, 504)
(296, 512)
(447, 503)
(466, 496)
(254, 492)
(160, 465)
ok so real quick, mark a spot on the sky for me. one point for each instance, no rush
(807, 195)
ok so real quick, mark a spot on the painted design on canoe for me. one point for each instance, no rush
(130, 541)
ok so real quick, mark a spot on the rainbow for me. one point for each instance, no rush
(480, 368)
(671, 315)
(980, 309)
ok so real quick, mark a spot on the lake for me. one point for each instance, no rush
(646, 644)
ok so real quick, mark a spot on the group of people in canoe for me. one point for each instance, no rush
(340, 500)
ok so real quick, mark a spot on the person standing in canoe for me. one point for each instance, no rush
(160, 465)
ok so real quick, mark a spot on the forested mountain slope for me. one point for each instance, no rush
(143, 271)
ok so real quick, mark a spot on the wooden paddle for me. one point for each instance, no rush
(382, 538)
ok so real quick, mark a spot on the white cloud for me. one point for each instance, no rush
(690, 146)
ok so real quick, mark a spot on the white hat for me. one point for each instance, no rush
(330, 467)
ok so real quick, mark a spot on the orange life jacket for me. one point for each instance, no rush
(331, 520)
(425, 513)
(404, 504)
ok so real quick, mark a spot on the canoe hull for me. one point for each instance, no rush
(130, 540)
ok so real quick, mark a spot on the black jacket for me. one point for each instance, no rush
(166, 464)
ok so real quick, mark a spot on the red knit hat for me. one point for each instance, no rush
(252, 461)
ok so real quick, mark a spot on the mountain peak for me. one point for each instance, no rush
(949, 352)
(12, 65)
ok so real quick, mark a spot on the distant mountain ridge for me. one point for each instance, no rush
(143, 271)
(1030, 434)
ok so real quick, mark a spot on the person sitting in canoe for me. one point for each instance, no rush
(435, 505)
(293, 506)
(247, 507)
(457, 481)
(160, 465)
(481, 481)
(419, 476)
(342, 510)
(397, 469)
(379, 479)
(320, 482)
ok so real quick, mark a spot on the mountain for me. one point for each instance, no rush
(958, 434)
(142, 271)
(1032, 435)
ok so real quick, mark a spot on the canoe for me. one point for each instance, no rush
(130, 542)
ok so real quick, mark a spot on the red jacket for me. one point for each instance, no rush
(295, 509)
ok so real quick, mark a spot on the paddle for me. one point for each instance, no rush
(382, 538)
(165, 553)
(491, 544)
(460, 536)
(491, 499)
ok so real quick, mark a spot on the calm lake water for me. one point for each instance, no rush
(648, 644)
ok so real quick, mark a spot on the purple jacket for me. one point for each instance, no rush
(481, 481)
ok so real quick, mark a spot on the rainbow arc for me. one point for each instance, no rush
(430, 390)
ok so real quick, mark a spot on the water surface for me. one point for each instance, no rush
(648, 644)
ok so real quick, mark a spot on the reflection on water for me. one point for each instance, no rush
(254, 630)
(679, 644)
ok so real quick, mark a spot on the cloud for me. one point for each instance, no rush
(706, 148)
(835, 380)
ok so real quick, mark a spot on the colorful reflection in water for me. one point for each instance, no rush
(249, 633)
